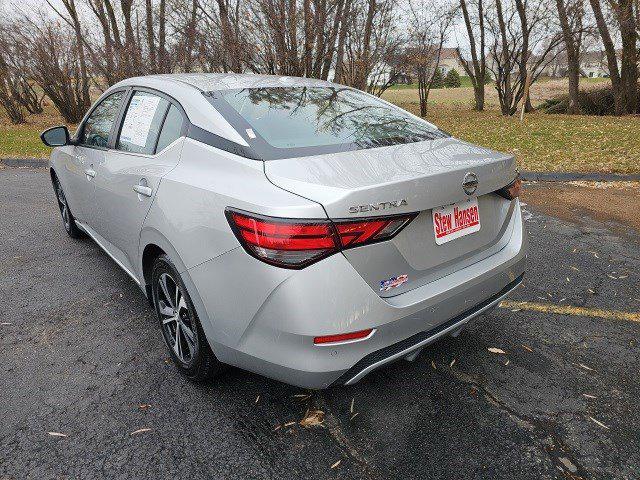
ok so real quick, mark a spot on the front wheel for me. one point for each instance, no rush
(179, 323)
(68, 219)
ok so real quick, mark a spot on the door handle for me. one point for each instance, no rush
(143, 190)
(90, 173)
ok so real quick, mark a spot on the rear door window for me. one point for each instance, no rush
(142, 123)
(171, 129)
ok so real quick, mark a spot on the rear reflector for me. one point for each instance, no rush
(342, 337)
(292, 243)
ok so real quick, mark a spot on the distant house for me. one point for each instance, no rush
(450, 60)
(593, 64)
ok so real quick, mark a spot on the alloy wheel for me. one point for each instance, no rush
(62, 204)
(177, 325)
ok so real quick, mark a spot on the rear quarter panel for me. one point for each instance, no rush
(188, 212)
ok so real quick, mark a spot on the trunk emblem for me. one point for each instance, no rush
(378, 206)
(470, 183)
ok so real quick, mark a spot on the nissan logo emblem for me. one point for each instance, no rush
(470, 183)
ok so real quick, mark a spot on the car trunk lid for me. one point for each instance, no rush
(416, 177)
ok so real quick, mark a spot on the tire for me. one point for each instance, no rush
(179, 323)
(68, 220)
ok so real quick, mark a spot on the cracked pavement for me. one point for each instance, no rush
(82, 355)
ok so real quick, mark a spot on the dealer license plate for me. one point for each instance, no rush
(455, 221)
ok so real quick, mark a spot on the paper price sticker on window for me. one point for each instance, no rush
(137, 123)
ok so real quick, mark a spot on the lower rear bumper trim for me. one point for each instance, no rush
(403, 348)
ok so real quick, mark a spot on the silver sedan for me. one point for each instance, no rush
(292, 227)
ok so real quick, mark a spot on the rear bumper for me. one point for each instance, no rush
(263, 319)
(406, 347)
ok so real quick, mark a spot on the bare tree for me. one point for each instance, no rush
(476, 70)
(74, 22)
(8, 83)
(624, 80)
(428, 27)
(525, 40)
(55, 66)
(570, 15)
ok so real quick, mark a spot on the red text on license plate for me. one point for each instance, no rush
(455, 221)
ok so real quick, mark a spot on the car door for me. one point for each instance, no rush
(147, 147)
(90, 146)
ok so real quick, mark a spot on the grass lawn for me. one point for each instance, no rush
(570, 143)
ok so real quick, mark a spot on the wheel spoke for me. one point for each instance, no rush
(166, 310)
(165, 290)
(177, 346)
(169, 320)
(178, 299)
(188, 335)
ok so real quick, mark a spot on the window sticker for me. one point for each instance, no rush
(137, 123)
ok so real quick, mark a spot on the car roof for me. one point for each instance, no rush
(208, 82)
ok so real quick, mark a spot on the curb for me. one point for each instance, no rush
(572, 177)
(24, 162)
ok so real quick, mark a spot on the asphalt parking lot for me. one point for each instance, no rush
(87, 390)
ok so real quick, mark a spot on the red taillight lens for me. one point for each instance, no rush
(343, 337)
(298, 243)
(285, 243)
(360, 232)
(512, 190)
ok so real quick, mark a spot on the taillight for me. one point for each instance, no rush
(512, 190)
(360, 232)
(291, 243)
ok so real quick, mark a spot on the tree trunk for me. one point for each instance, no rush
(477, 69)
(362, 72)
(506, 97)
(573, 61)
(150, 36)
(77, 28)
(337, 77)
(230, 39)
(612, 62)
(629, 60)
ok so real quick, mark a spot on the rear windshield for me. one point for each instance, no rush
(301, 118)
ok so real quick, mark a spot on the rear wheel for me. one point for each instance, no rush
(181, 328)
(68, 220)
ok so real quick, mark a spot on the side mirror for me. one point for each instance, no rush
(56, 137)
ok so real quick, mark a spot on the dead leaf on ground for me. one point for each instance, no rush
(140, 430)
(354, 415)
(257, 399)
(288, 424)
(57, 434)
(452, 362)
(433, 364)
(496, 350)
(312, 418)
(582, 365)
(336, 464)
(588, 396)
(353, 400)
(598, 423)
(528, 349)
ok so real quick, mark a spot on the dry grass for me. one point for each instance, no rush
(542, 143)
(570, 143)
